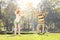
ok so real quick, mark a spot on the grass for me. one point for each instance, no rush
(47, 36)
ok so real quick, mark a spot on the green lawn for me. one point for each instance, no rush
(47, 36)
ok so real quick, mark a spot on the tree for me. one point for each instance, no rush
(7, 13)
(53, 9)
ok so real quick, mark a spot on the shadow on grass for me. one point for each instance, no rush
(12, 35)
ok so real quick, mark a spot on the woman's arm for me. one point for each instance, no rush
(15, 11)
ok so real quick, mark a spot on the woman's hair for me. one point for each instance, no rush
(18, 11)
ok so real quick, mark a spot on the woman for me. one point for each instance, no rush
(17, 21)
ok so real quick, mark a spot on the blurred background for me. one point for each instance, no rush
(30, 9)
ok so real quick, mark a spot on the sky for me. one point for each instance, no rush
(23, 3)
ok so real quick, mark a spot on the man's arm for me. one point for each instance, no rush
(44, 12)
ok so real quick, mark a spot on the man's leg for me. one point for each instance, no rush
(42, 28)
(38, 28)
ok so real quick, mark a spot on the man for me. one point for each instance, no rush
(41, 21)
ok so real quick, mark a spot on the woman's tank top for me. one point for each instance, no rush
(18, 17)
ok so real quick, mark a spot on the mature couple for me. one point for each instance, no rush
(18, 18)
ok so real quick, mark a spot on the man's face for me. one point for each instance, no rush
(40, 13)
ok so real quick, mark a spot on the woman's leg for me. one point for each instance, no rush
(15, 29)
(19, 28)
